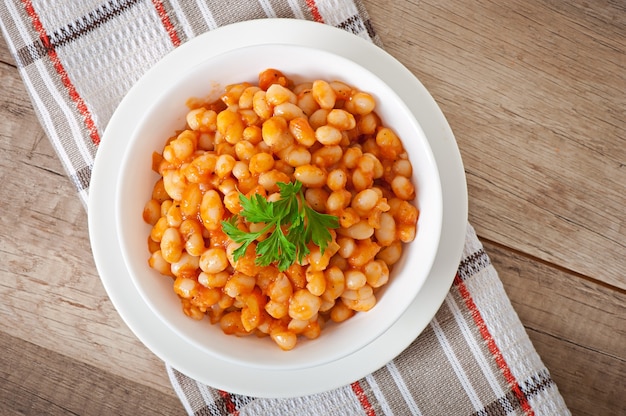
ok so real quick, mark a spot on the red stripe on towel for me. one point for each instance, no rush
(60, 69)
(317, 16)
(228, 402)
(365, 403)
(167, 23)
(493, 347)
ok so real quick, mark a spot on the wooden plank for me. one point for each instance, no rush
(65, 349)
(579, 311)
(534, 94)
(48, 280)
(36, 381)
(590, 382)
(577, 326)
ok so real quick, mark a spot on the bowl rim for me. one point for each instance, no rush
(224, 353)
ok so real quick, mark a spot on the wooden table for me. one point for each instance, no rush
(536, 95)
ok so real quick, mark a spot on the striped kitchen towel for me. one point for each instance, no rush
(474, 358)
(79, 58)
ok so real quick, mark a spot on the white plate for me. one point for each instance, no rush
(263, 382)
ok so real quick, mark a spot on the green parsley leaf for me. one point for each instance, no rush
(256, 209)
(276, 248)
(319, 226)
(292, 222)
(244, 238)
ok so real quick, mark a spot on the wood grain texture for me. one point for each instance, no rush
(534, 92)
(50, 291)
(577, 326)
(37, 381)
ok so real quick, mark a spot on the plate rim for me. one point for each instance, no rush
(362, 328)
(293, 382)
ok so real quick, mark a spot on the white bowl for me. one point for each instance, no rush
(167, 114)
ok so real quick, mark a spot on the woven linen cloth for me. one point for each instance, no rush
(79, 58)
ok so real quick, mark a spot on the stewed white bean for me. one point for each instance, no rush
(213, 260)
(325, 134)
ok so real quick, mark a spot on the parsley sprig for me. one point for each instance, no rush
(292, 222)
